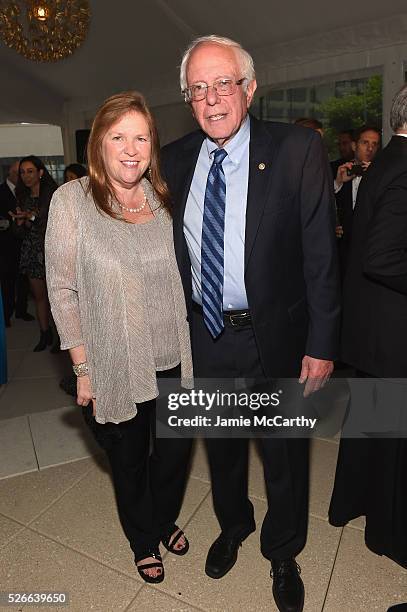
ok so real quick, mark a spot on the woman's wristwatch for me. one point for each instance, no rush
(80, 369)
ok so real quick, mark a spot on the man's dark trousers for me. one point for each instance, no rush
(234, 354)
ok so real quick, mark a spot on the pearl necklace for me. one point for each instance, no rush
(136, 210)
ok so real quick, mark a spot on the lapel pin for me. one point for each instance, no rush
(262, 166)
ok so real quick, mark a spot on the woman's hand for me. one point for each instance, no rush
(85, 393)
(20, 216)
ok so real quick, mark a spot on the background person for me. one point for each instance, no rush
(119, 308)
(365, 146)
(34, 190)
(74, 171)
(371, 472)
(8, 243)
(14, 286)
(345, 149)
(312, 123)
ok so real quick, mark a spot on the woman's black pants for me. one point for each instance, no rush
(149, 477)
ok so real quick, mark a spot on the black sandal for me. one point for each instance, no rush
(170, 547)
(141, 568)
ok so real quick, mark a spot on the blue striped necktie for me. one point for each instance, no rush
(212, 246)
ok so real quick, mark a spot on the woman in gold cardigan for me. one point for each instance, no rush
(118, 304)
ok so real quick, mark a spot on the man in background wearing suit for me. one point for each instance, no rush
(11, 281)
(365, 146)
(345, 148)
(255, 244)
(371, 472)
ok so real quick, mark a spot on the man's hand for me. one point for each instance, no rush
(342, 174)
(314, 373)
(339, 231)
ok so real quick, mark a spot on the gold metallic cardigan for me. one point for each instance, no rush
(87, 297)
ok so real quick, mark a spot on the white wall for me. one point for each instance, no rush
(173, 121)
(17, 140)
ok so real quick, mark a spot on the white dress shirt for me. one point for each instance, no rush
(236, 170)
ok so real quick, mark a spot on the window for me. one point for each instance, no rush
(339, 105)
(55, 166)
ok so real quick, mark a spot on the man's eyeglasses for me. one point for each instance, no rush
(223, 87)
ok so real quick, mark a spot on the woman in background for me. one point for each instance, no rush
(73, 172)
(34, 190)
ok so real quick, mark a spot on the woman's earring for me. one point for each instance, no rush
(149, 174)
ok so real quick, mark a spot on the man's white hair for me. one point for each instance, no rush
(398, 112)
(244, 58)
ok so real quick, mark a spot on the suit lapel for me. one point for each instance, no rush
(261, 152)
(185, 168)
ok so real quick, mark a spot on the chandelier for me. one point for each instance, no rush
(44, 30)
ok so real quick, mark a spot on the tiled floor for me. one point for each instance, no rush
(59, 529)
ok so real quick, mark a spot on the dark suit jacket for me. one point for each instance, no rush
(7, 200)
(344, 207)
(290, 251)
(7, 237)
(374, 336)
(371, 473)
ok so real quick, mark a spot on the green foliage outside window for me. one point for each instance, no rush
(352, 111)
(339, 105)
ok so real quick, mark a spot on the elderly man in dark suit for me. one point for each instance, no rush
(255, 243)
(372, 472)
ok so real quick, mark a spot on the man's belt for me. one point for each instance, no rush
(234, 318)
(237, 318)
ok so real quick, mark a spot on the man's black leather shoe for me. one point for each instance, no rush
(222, 555)
(288, 588)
